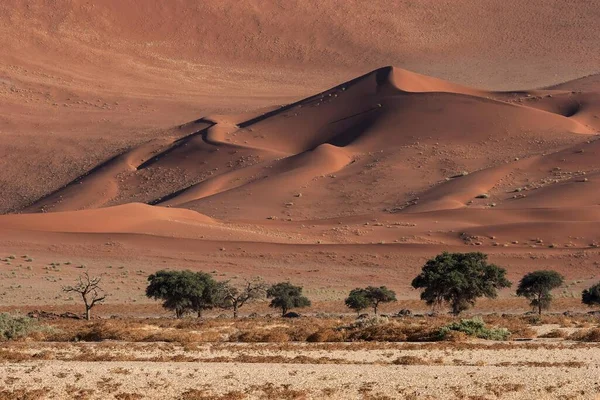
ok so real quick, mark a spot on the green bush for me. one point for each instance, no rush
(16, 326)
(474, 327)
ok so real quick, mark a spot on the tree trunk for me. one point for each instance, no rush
(199, 313)
(539, 307)
(283, 311)
(455, 310)
(87, 306)
(375, 309)
(235, 311)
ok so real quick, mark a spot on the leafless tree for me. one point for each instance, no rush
(90, 291)
(233, 297)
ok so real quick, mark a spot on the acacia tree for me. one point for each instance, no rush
(536, 287)
(459, 279)
(371, 296)
(179, 290)
(378, 295)
(233, 297)
(286, 296)
(90, 291)
(591, 296)
(211, 296)
(357, 300)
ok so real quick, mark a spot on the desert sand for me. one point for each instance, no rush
(342, 374)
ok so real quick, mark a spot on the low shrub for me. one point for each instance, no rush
(588, 335)
(394, 331)
(389, 332)
(555, 334)
(409, 360)
(326, 335)
(474, 327)
(369, 322)
(17, 326)
(276, 335)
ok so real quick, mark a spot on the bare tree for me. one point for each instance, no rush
(233, 297)
(90, 291)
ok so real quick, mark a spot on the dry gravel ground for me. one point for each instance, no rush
(507, 370)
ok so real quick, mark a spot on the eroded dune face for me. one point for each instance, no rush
(502, 166)
(388, 140)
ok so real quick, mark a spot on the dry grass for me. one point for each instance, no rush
(555, 334)
(23, 394)
(588, 335)
(267, 391)
(414, 360)
(500, 389)
(128, 396)
(306, 329)
(199, 394)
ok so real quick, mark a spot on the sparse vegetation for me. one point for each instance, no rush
(184, 291)
(232, 297)
(17, 326)
(591, 296)
(90, 291)
(357, 300)
(536, 287)
(371, 296)
(286, 296)
(459, 279)
(588, 335)
(474, 327)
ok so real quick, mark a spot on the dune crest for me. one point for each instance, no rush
(389, 139)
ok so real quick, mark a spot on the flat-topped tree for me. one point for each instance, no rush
(357, 300)
(371, 296)
(179, 290)
(459, 279)
(378, 295)
(591, 296)
(286, 296)
(536, 287)
(90, 291)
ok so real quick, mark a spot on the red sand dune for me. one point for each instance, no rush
(184, 129)
(390, 140)
(412, 133)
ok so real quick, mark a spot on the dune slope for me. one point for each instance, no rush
(388, 140)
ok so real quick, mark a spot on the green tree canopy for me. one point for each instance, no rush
(371, 296)
(357, 300)
(459, 279)
(379, 295)
(211, 296)
(183, 291)
(286, 296)
(591, 296)
(536, 287)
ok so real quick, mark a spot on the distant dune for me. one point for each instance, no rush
(82, 81)
(489, 43)
(391, 141)
(273, 137)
